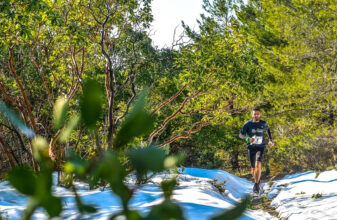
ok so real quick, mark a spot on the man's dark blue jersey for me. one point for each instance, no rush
(251, 129)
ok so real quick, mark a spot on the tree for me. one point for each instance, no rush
(296, 47)
(216, 77)
(48, 53)
(121, 27)
(52, 47)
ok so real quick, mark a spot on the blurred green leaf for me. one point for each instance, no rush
(173, 161)
(147, 159)
(75, 164)
(32, 205)
(60, 111)
(23, 180)
(83, 207)
(15, 120)
(120, 189)
(44, 182)
(40, 148)
(91, 103)
(131, 215)
(233, 213)
(52, 205)
(39, 186)
(168, 186)
(137, 123)
(69, 128)
(111, 170)
(134, 215)
(165, 211)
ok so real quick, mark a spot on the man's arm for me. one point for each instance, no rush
(243, 133)
(271, 141)
(269, 135)
(242, 136)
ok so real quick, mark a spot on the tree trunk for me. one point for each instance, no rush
(24, 94)
(8, 154)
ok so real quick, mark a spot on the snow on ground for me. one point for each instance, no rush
(236, 188)
(298, 196)
(198, 197)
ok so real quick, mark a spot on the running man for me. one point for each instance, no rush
(253, 133)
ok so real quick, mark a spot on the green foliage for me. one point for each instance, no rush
(66, 132)
(23, 180)
(221, 65)
(108, 169)
(148, 159)
(75, 165)
(295, 68)
(279, 55)
(275, 54)
(220, 186)
(317, 196)
(168, 186)
(137, 123)
(91, 103)
(83, 208)
(60, 110)
(166, 210)
(37, 186)
(216, 147)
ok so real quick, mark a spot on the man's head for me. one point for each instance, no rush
(256, 114)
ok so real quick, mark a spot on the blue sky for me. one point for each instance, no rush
(168, 14)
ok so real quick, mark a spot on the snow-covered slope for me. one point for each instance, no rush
(303, 196)
(198, 197)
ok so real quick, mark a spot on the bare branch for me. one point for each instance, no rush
(2, 88)
(73, 91)
(190, 132)
(82, 61)
(132, 78)
(154, 133)
(93, 14)
(20, 139)
(180, 41)
(129, 102)
(170, 99)
(23, 91)
(77, 70)
(9, 156)
(43, 78)
(73, 58)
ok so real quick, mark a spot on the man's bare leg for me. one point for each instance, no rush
(257, 172)
(253, 174)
